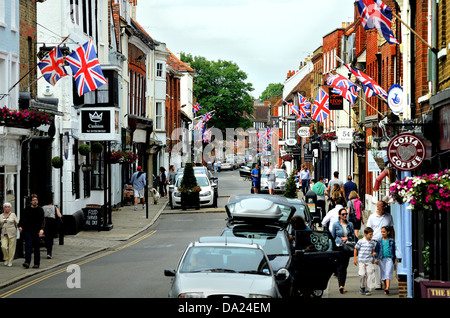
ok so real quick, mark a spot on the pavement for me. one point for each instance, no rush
(127, 224)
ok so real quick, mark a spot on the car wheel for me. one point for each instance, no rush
(317, 293)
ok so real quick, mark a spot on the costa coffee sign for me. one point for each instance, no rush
(406, 152)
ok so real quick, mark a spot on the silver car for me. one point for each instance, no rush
(280, 183)
(223, 267)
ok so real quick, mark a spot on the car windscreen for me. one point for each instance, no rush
(279, 174)
(273, 242)
(225, 259)
(202, 181)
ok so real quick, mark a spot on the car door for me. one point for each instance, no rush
(315, 259)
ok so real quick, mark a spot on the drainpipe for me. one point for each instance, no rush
(434, 65)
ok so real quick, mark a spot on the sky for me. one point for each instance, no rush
(265, 38)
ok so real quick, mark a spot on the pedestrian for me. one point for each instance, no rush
(349, 186)
(255, 176)
(364, 256)
(52, 218)
(377, 221)
(172, 174)
(215, 166)
(355, 208)
(343, 232)
(163, 180)
(271, 179)
(283, 166)
(335, 193)
(332, 182)
(9, 232)
(139, 182)
(333, 215)
(297, 223)
(319, 189)
(305, 177)
(385, 257)
(31, 225)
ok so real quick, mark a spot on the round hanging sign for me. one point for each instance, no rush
(406, 152)
(395, 99)
(303, 132)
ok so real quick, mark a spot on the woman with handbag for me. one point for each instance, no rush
(344, 236)
(9, 232)
(52, 219)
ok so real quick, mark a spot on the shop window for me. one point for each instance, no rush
(97, 173)
(105, 95)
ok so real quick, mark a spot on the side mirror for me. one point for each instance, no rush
(169, 272)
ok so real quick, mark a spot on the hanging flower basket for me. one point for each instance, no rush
(84, 149)
(329, 136)
(380, 162)
(24, 117)
(97, 147)
(57, 162)
(116, 157)
(123, 157)
(423, 192)
(286, 158)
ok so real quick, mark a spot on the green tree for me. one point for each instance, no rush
(291, 188)
(220, 86)
(189, 181)
(271, 90)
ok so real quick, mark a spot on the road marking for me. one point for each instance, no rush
(60, 271)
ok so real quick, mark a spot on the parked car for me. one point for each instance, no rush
(280, 183)
(245, 171)
(265, 222)
(227, 165)
(199, 170)
(265, 218)
(207, 196)
(222, 267)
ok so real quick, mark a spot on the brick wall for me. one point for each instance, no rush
(443, 40)
(28, 47)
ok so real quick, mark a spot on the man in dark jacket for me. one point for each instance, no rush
(31, 225)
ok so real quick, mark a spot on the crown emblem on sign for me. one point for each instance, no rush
(95, 117)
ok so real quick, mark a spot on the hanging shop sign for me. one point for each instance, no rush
(303, 132)
(291, 142)
(406, 152)
(98, 124)
(335, 101)
(395, 99)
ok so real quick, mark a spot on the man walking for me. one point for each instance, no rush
(255, 176)
(349, 186)
(31, 225)
(305, 177)
(319, 190)
(139, 181)
(332, 182)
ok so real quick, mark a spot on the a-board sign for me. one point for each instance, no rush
(92, 218)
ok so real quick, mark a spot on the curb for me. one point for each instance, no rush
(73, 260)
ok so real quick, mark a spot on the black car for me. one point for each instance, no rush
(265, 219)
(245, 171)
(265, 223)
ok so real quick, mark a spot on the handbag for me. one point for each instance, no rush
(348, 248)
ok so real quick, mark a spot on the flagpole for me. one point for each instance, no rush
(415, 33)
(34, 67)
(371, 106)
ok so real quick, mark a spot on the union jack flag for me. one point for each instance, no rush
(206, 117)
(304, 106)
(196, 108)
(199, 125)
(343, 87)
(294, 109)
(375, 14)
(52, 66)
(86, 68)
(321, 107)
(207, 136)
(370, 87)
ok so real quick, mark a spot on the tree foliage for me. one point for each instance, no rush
(291, 188)
(220, 86)
(271, 90)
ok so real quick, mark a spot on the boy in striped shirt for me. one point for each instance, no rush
(364, 255)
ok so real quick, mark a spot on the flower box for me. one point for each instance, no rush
(190, 200)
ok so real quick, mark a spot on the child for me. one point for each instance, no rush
(385, 257)
(364, 255)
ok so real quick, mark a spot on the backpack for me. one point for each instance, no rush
(355, 210)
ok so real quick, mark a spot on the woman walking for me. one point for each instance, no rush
(52, 217)
(9, 234)
(343, 232)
